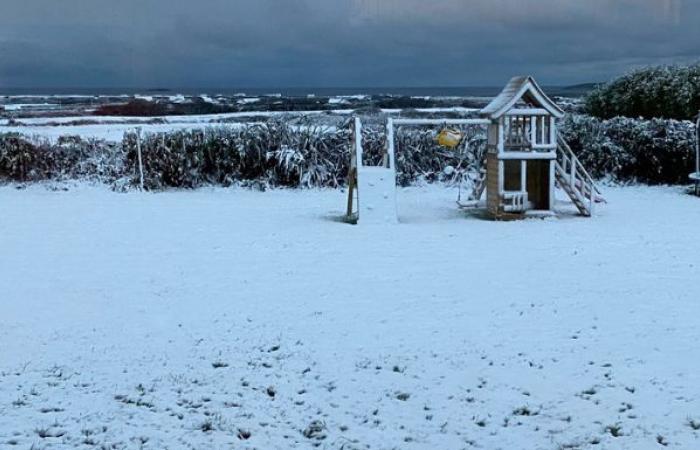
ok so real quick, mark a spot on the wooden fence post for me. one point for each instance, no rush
(138, 150)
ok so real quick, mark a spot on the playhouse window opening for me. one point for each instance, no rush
(526, 133)
(542, 130)
(517, 133)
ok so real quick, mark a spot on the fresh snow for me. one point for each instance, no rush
(247, 101)
(194, 118)
(23, 106)
(218, 319)
(109, 132)
(112, 128)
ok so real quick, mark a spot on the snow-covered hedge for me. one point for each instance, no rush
(70, 158)
(653, 151)
(288, 154)
(272, 154)
(280, 154)
(671, 92)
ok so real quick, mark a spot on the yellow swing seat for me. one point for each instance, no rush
(449, 138)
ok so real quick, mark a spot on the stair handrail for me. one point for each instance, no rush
(575, 161)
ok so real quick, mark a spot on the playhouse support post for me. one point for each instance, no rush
(552, 183)
(501, 178)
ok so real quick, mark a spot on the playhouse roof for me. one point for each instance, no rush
(521, 88)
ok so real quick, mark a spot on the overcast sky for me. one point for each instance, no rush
(337, 43)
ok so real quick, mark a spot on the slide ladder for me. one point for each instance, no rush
(573, 178)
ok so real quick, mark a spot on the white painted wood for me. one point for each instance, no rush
(391, 151)
(514, 91)
(528, 155)
(533, 130)
(501, 179)
(527, 112)
(553, 132)
(501, 137)
(358, 141)
(523, 175)
(376, 186)
(573, 173)
(697, 145)
(543, 130)
(377, 189)
(515, 201)
(441, 121)
(138, 151)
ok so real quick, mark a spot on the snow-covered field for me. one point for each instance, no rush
(112, 128)
(219, 319)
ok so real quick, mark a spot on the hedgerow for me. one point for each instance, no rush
(671, 92)
(656, 151)
(286, 154)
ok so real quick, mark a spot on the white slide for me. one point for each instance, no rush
(377, 195)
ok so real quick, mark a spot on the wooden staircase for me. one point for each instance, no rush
(573, 178)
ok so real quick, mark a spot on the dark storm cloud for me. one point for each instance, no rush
(219, 43)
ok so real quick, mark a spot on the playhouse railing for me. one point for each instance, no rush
(515, 201)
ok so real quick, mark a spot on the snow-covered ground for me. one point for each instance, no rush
(220, 319)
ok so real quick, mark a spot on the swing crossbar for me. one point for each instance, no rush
(440, 121)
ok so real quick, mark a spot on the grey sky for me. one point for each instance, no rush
(350, 43)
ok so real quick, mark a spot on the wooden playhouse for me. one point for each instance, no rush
(526, 159)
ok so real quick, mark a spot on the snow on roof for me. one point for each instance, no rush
(521, 88)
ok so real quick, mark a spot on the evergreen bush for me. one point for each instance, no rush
(671, 92)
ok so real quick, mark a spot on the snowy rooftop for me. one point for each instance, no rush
(519, 89)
